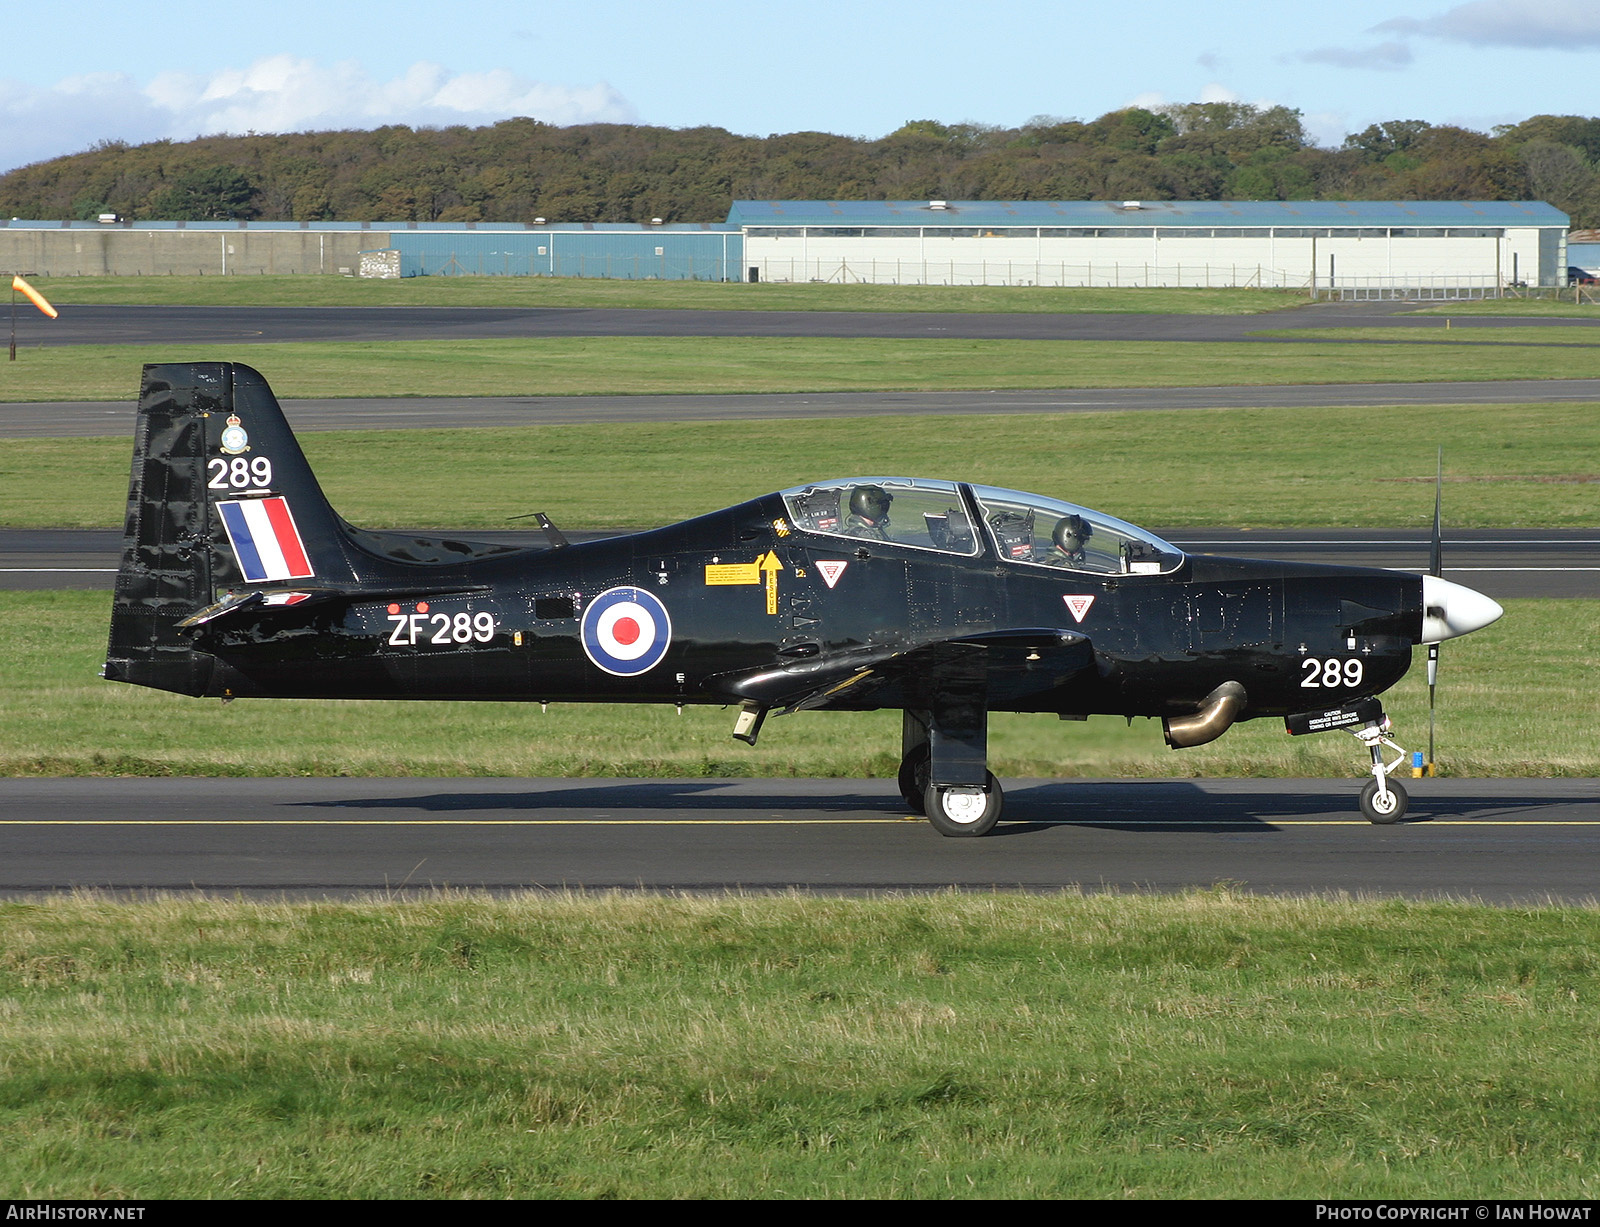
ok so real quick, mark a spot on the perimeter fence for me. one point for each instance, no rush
(1117, 274)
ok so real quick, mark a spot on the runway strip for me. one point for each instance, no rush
(91, 419)
(1500, 841)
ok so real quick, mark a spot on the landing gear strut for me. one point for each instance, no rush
(941, 766)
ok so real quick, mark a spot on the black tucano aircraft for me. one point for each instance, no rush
(944, 599)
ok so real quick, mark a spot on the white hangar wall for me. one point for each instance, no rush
(982, 243)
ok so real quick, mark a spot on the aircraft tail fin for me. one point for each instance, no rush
(220, 499)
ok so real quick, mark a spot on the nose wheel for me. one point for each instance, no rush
(1385, 805)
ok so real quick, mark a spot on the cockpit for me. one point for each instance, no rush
(955, 518)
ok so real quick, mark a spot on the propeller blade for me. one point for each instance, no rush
(1435, 569)
(1433, 682)
(1436, 557)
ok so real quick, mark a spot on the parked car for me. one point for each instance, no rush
(1577, 276)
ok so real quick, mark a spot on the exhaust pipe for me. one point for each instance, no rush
(1215, 717)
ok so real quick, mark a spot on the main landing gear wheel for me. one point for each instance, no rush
(1380, 808)
(914, 777)
(963, 810)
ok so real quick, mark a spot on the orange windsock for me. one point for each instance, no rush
(38, 299)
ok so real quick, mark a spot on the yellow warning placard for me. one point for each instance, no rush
(719, 574)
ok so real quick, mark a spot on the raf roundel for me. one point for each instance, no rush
(626, 631)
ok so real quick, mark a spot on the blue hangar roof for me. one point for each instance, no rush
(1103, 213)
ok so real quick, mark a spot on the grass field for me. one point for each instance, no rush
(565, 366)
(1527, 465)
(1517, 700)
(569, 292)
(1206, 1046)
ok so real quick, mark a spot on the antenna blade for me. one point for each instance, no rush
(558, 540)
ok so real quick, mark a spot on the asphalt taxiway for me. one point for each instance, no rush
(91, 419)
(1499, 841)
(123, 325)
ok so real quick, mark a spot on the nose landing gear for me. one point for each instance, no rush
(1382, 800)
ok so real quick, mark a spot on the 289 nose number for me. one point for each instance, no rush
(1331, 673)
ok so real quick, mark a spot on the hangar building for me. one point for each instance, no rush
(1351, 248)
(1356, 246)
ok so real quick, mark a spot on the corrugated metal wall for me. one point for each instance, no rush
(631, 255)
(1286, 257)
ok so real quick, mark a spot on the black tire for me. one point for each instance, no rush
(914, 777)
(956, 811)
(1372, 803)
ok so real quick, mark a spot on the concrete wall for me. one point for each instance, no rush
(116, 251)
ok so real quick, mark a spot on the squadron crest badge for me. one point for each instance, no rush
(234, 438)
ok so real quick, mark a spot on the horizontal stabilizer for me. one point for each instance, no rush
(265, 600)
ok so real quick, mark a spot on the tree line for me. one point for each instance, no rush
(522, 168)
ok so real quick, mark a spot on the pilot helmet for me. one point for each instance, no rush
(1070, 533)
(870, 503)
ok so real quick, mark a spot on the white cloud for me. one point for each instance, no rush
(1154, 100)
(279, 93)
(1326, 129)
(1150, 100)
(1565, 24)
(1390, 56)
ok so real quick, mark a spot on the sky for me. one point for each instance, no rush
(72, 75)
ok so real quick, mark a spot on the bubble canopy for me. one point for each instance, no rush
(933, 514)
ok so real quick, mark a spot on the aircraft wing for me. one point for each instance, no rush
(1009, 663)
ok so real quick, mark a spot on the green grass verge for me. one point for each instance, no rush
(1529, 465)
(1517, 700)
(1515, 307)
(991, 1046)
(580, 366)
(1438, 332)
(284, 291)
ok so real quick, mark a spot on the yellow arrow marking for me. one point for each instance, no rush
(770, 564)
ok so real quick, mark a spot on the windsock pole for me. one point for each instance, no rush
(18, 285)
